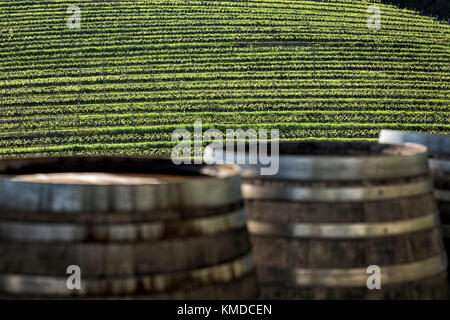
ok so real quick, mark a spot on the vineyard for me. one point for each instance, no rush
(137, 70)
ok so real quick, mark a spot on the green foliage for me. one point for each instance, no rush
(137, 70)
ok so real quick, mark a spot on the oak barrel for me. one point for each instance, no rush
(439, 161)
(137, 228)
(333, 211)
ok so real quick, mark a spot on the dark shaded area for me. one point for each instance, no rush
(118, 164)
(439, 8)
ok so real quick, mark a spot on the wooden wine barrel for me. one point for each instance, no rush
(335, 209)
(439, 161)
(136, 227)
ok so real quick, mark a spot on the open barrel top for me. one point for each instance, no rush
(114, 184)
(135, 226)
(331, 160)
(347, 149)
(90, 170)
(437, 144)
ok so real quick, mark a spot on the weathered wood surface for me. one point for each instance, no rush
(245, 288)
(195, 243)
(439, 161)
(123, 259)
(307, 238)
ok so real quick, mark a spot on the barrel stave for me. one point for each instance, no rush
(241, 289)
(429, 288)
(120, 259)
(335, 209)
(179, 239)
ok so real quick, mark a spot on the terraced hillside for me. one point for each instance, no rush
(137, 70)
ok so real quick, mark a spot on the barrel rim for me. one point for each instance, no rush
(221, 183)
(323, 167)
(435, 142)
(208, 171)
(432, 135)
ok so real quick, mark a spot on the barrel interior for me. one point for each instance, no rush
(344, 149)
(115, 166)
